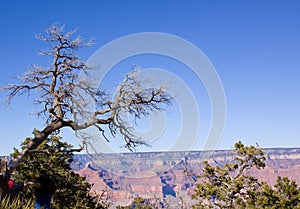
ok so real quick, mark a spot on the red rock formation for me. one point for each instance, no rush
(123, 188)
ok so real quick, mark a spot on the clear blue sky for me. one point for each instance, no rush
(254, 46)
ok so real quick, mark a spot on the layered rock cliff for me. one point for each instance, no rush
(125, 176)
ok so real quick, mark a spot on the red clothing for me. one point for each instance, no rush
(10, 184)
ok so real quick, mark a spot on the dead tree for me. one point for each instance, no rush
(56, 93)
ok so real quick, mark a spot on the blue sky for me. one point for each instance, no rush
(254, 46)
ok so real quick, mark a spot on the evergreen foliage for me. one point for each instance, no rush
(72, 191)
(218, 186)
(230, 186)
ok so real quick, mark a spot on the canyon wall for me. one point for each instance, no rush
(157, 174)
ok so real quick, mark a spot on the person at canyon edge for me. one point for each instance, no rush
(44, 188)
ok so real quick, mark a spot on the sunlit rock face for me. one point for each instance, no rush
(125, 176)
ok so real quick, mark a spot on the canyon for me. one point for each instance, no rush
(122, 177)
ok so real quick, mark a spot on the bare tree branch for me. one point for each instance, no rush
(60, 94)
(48, 151)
